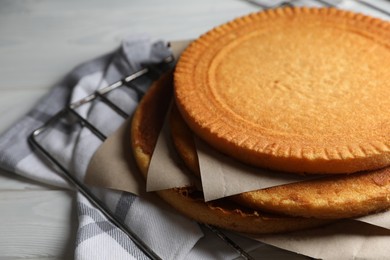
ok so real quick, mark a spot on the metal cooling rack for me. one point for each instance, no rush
(152, 71)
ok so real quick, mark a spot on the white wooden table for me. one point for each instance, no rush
(40, 41)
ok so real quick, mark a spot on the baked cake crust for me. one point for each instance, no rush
(293, 89)
(333, 197)
(146, 124)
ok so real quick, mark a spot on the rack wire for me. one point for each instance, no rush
(101, 95)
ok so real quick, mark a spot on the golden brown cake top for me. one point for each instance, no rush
(292, 89)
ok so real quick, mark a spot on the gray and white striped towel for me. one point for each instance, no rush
(170, 235)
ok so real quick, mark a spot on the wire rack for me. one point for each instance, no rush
(153, 71)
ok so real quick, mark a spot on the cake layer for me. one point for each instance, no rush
(301, 90)
(333, 197)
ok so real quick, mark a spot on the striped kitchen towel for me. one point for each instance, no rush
(170, 235)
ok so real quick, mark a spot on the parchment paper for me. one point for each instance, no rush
(113, 165)
(343, 240)
(165, 170)
(223, 176)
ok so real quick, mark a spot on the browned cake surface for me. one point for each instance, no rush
(335, 197)
(222, 213)
(293, 89)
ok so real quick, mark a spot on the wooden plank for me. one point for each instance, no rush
(16, 103)
(13, 182)
(42, 40)
(37, 224)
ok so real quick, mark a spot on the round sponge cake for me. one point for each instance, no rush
(293, 89)
(333, 197)
(146, 124)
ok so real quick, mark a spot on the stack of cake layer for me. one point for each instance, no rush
(293, 90)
